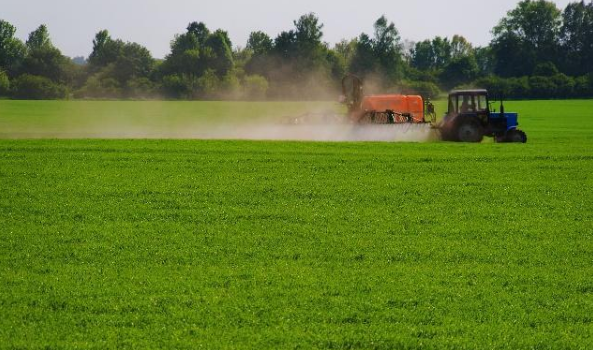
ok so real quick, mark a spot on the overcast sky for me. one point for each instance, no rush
(153, 23)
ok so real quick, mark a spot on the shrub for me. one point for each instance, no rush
(37, 88)
(564, 85)
(542, 87)
(100, 87)
(425, 89)
(582, 87)
(209, 84)
(517, 88)
(140, 88)
(179, 86)
(546, 69)
(4, 84)
(495, 85)
(255, 87)
(230, 86)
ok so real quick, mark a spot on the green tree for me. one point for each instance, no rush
(261, 46)
(199, 31)
(135, 61)
(260, 43)
(364, 62)
(255, 87)
(12, 50)
(119, 69)
(485, 60)
(345, 49)
(546, 69)
(28, 86)
(422, 56)
(285, 45)
(460, 47)
(200, 62)
(381, 56)
(220, 55)
(105, 50)
(387, 47)
(45, 60)
(459, 71)
(4, 84)
(39, 39)
(576, 36)
(442, 52)
(527, 35)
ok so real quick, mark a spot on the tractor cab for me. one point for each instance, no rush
(469, 118)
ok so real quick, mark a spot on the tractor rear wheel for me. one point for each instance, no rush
(470, 131)
(516, 136)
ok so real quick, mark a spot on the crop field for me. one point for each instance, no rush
(156, 243)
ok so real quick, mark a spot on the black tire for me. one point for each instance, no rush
(469, 131)
(516, 136)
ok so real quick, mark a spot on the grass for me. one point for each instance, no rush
(235, 244)
(80, 119)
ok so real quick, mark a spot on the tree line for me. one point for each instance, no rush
(537, 51)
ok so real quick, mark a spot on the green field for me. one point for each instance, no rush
(239, 244)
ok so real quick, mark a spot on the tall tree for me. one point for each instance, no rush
(43, 59)
(526, 36)
(422, 56)
(364, 62)
(388, 49)
(380, 56)
(135, 61)
(199, 30)
(220, 54)
(260, 43)
(460, 47)
(105, 50)
(442, 52)
(311, 53)
(12, 50)
(576, 37)
(39, 39)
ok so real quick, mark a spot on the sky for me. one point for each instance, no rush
(153, 23)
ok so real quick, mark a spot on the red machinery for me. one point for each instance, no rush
(384, 109)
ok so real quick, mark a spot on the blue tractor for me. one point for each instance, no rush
(470, 118)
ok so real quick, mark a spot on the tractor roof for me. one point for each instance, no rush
(469, 92)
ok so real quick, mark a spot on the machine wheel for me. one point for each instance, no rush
(470, 131)
(516, 136)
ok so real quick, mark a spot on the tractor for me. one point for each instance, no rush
(469, 118)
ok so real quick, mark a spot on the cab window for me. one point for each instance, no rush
(466, 103)
(482, 103)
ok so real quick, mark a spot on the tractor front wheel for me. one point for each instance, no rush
(516, 136)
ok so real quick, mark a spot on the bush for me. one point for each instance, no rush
(582, 87)
(496, 86)
(542, 87)
(564, 85)
(209, 84)
(99, 87)
(4, 84)
(425, 89)
(230, 86)
(37, 88)
(179, 86)
(140, 88)
(546, 69)
(255, 87)
(517, 88)
(556, 86)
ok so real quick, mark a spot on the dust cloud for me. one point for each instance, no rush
(319, 132)
(258, 130)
